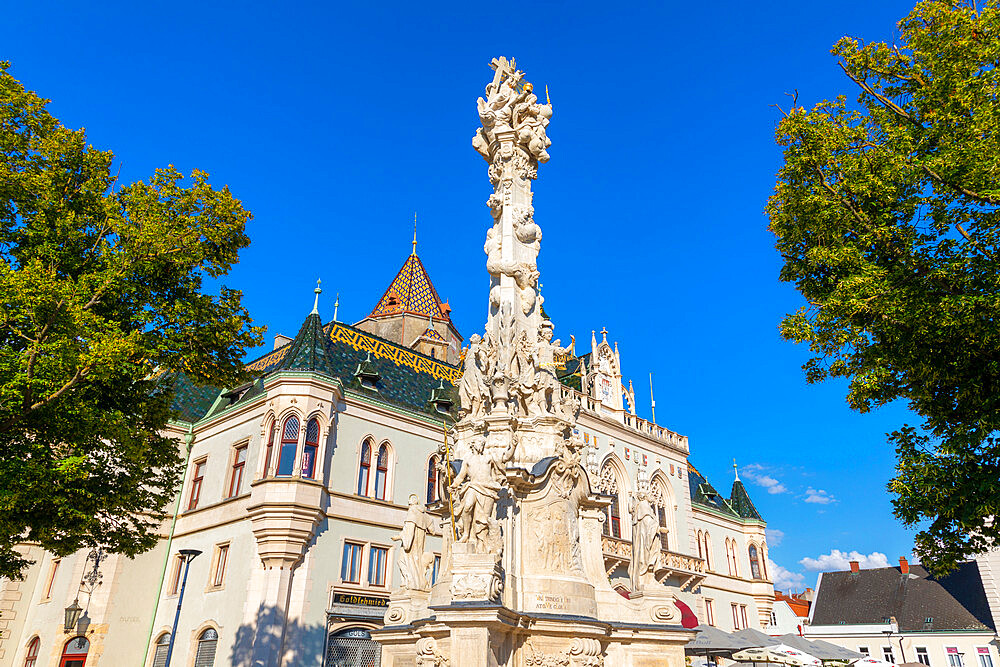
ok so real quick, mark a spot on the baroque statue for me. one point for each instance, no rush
(645, 541)
(476, 489)
(414, 562)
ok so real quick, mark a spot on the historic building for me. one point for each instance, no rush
(297, 483)
(904, 615)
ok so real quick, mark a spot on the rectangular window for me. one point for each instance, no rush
(954, 657)
(236, 474)
(743, 616)
(887, 654)
(377, 557)
(863, 650)
(221, 555)
(175, 577)
(52, 578)
(709, 612)
(985, 659)
(435, 569)
(350, 567)
(196, 479)
(922, 656)
(736, 615)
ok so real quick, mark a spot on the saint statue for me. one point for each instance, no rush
(413, 561)
(472, 390)
(546, 353)
(477, 488)
(645, 542)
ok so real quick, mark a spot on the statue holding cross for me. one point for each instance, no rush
(510, 105)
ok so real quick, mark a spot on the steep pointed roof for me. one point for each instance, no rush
(411, 291)
(308, 351)
(740, 501)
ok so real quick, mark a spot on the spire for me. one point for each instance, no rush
(414, 234)
(336, 305)
(411, 291)
(318, 291)
(736, 470)
(740, 501)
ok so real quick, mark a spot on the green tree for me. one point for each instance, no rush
(101, 304)
(886, 216)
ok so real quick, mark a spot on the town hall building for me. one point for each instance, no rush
(282, 539)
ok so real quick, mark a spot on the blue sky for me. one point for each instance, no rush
(335, 122)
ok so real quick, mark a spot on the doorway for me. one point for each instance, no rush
(353, 647)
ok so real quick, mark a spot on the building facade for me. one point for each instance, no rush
(902, 614)
(297, 483)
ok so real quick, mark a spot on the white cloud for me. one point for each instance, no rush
(784, 579)
(755, 473)
(774, 536)
(841, 560)
(819, 496)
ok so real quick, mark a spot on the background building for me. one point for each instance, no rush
(297, 482)
(902, 614)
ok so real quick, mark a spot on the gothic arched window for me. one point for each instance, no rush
(207, 642)
(269, 450)
(699, 545)
(432, 479)
(31, 657)
(609, 486)
(381, 471)
(310, 449)
(660, 504)
(364, 466)
(708, 551)
(754, 562)
(289, 445)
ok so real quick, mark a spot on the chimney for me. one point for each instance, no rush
(855, 566)
(904, 567)
(280, 340)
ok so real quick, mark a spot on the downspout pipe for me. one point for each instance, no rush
(188, 442)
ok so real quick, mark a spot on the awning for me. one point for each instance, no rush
(711, 641)
(780, 654)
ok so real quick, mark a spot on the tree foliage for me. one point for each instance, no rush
(101, 303)
(886, 214)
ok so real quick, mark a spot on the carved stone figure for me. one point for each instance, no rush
(472, 390)
(546, 353)
(477, 488)
(413, 561)
(645, 542)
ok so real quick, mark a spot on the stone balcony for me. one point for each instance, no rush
(690, 570)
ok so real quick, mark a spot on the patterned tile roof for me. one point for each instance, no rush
(433, 335)
(411, 291)
(740, 501)
(704, 494)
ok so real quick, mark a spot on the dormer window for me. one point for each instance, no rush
(367, 374)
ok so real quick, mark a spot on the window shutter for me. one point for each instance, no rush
(160, 657)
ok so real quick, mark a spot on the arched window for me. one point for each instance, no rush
(269, 450)
(207, 641)
(160, 655)
(364, 467)
(432, 478)
(75, 652)
(609, 486)
(708, 551)
(729, 558)
(763, 560)
(754, 562)
(699, 545)
(381, 470)
(732, 550)
(310, 449)
(660, 503)
(31, 657)
(289, 444)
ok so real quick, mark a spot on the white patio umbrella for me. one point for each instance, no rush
(779, 653)
(872, 662)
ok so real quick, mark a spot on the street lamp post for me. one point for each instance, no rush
(188, 555)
